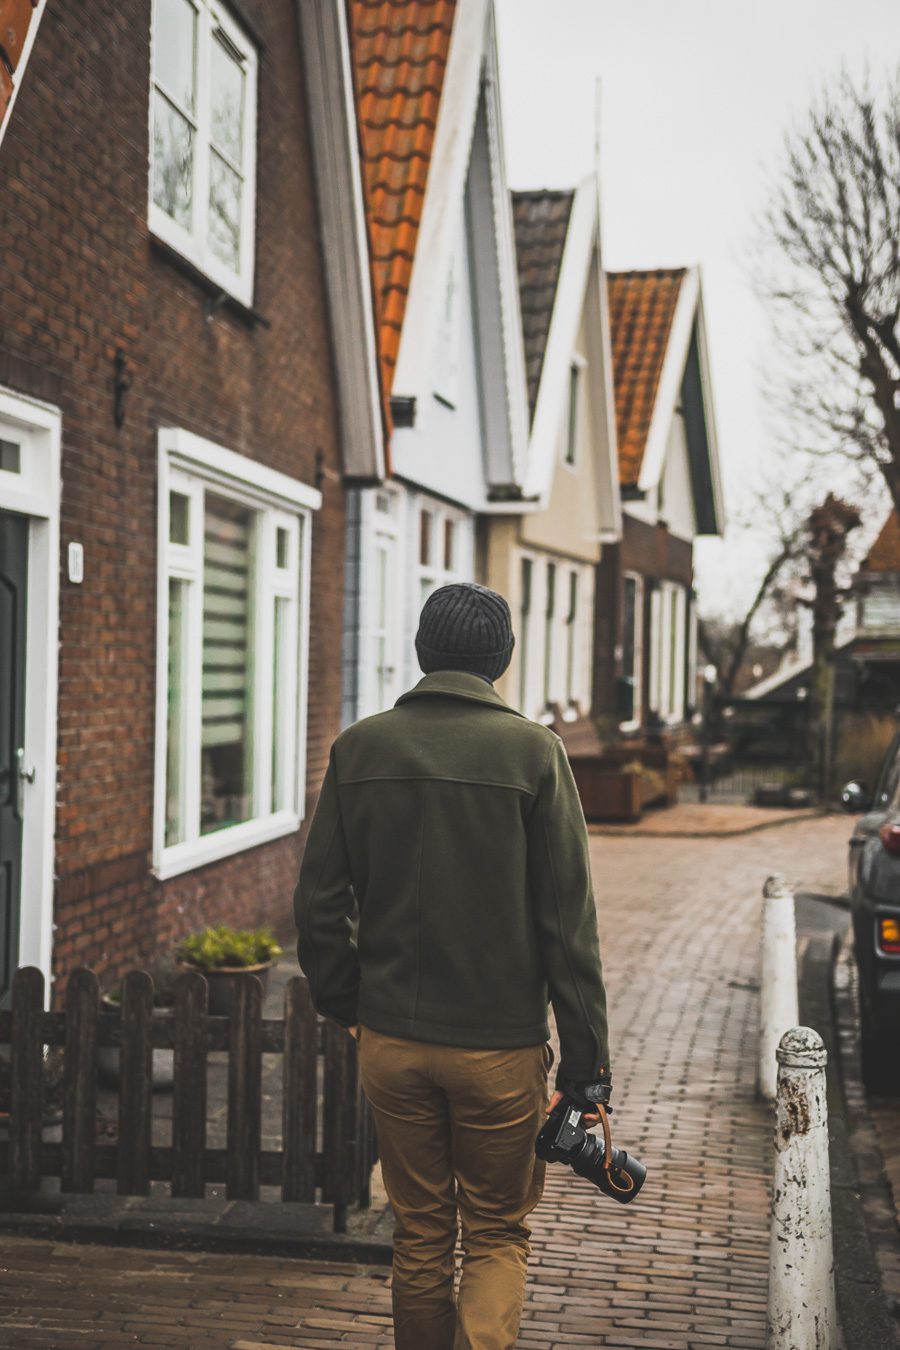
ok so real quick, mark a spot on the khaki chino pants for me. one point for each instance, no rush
(456, 1131)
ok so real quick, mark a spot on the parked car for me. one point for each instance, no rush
(875, 901)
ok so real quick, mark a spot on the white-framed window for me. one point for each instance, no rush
(232, 629)
(633, 643)
(668, 661)
(382, 588)
(203, 140)
(571, 640)
(440, 551)
(573, 409)
(549, 612)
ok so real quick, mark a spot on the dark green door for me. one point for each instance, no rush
(13, 581)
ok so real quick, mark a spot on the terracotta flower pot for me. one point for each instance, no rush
(221, 981)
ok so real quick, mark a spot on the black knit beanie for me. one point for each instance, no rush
(464, 626)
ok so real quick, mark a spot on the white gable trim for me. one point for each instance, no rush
(712, 436)
(329, 83)
(23, 62)
(444, 188)
(669, 390)
(505, 243)
(581, 239)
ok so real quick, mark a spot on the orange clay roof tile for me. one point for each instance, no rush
(399, 55)
(884, 555)
(15, 20)
(641, 310)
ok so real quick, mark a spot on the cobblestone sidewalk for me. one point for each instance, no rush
(684, 1267)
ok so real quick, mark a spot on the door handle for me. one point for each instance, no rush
(23, 776)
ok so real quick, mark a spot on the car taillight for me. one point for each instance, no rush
(890, 837)
(889, 936)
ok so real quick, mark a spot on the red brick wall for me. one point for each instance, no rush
(79, 277)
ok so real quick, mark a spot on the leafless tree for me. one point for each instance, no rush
(825, 550)
(776, 511)
(834, 275)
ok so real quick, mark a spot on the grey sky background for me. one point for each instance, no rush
(696, 96)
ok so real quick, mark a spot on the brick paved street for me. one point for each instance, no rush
(684, 1267)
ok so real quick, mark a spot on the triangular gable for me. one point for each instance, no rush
(541, 224)
(18, 28)
(659, 364)
(399, 54)
(428, 107)
(558, 251)
(641, 309)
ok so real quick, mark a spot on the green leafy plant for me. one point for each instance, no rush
(222, 946)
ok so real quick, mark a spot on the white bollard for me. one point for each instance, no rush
(778, 1008)
(801, 1264)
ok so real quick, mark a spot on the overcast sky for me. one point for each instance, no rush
(695, 98)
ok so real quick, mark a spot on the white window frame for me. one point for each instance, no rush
(193, 244)
(527, 628)
(191, 464)
(381, 529)
(638, 673)
(664, 637)
(574, 396)
(435, 573)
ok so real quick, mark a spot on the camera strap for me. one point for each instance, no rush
(612, 1173)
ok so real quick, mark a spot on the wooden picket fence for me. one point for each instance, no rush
(337, 1173)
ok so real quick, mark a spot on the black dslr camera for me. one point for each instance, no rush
(564, 1139)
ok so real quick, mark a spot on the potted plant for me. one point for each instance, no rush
(163, 971)
(225, 955)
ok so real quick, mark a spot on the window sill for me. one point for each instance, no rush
(180, 858)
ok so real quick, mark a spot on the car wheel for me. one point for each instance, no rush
(880, 1069)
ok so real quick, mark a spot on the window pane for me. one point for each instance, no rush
(226, 103)
(173, 162)
(10, 457)
(628, 625)
(572, 429)
(175, 50)
(224, 212)
(548, 630)
(281, 547)
(425, 538)
(179, 518)
(226, 794)
(280, 682)
(449, 545)
(174, 828)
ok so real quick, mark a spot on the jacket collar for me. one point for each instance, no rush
(458, 684)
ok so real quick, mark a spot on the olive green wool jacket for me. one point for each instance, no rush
(445, 890)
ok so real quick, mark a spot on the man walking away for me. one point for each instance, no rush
(444, 893)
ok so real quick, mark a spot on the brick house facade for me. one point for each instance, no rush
(82, 279)
(646, 636)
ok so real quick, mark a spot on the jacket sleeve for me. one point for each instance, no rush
(324, 906)
(566, 919)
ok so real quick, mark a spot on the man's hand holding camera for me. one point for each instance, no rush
(587, 1096)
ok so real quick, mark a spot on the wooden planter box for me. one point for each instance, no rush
(607, 793)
